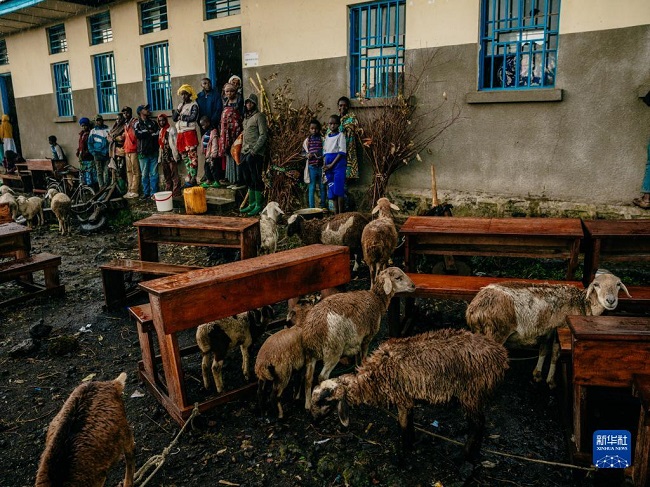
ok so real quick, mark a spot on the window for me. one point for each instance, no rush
(518, 44)
(377, 48)
(158, 78)
(100, 28)
(58, 41)
(4, 58)
(221, 8)
(106, 83)
(153, 16)
(63, 89)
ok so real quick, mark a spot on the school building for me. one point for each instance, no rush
(550, 91)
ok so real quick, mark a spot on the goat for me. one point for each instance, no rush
(433, 367)
(269, 226)
(60, 204)
(522, 314)
(379, 238)
(87, 437)
(344, 324)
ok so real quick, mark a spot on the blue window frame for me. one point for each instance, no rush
(377, 32)
(519, 40)
(57, 39)
(153, 16)
(158, 77)
(63, 89)
(100, 28)
(4, 58)
(221, 8)
(106, 82)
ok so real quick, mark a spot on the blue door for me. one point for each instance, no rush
(224, 57)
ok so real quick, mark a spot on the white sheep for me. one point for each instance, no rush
(60, 204)
(379, 238)
(269, 226)
(8, 199)
(523, 314)
(434, 367)
(344, 324)
(31, 208)
(216, 338)
(6, 189)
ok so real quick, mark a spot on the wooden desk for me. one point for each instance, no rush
(14, 240)
(552, 238)
(606, 351)
(209, 231)
(616, 241)
(226, 290)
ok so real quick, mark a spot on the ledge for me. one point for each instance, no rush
(515, 96)
(73, 118)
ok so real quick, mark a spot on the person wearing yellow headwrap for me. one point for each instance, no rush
(7, 136)
(186, 117)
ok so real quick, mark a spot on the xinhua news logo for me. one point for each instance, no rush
(612, 449)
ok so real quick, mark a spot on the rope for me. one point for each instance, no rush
(159, 460)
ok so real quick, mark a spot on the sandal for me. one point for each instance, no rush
(641, 203)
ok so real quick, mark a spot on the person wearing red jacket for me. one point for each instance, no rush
(131, 155)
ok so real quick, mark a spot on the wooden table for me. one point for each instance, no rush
(209, 231)
(14, 240)
(616, 241)
(606, 351)
(551, 238)
(223, 291)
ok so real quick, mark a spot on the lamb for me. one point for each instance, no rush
(8, 198)
(434, 367)
(31, 208)
(523, 314)
(342, 229)
(87, 437)
(216, 338)
(60, 204)
(379, 238)
(269, 227)
(345, 323)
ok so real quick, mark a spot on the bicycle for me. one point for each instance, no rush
(79, 192)
(97, 204)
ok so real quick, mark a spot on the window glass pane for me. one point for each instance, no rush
(58, 41)
(106, 82)
(153, 16)
(100, 28)
(158, 77)
(221, 8)
(63, 89)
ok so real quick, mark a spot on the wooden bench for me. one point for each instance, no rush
(641, 463)
(113, 273)
(223, 291)
(30, 176)
(22, 270)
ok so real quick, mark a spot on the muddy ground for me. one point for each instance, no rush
(233, 445)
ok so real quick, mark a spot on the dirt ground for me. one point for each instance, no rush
(233, 445)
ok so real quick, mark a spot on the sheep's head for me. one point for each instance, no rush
(326, 396)
(297, 313)
(606, 286)
(50, 194)
(272, 211)
(260, 318)
(293, 224)
(21, 201)
(383, 207)
(5, 190)
(393, 280)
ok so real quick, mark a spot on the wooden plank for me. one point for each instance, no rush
(202, 222)
(608, 328)
(620, 228)
(16, 268)
(145, 267)
(557, 227)
(39, 165)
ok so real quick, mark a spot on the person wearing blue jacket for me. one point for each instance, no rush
(98, 147)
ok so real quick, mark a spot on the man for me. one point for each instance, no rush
(146, 131)
(131, 155)
(254, 143)
(98, 147)
(210, 103)
(85, 157)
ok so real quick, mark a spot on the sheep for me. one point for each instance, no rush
(5, 190)
(269, 226)
(434, 367)
(379, 238)
(8, 199)
(60, 204)
(216, 338)
(524, 314)
(31, 208)
(87, 437)
(342, 229)
(345, 323)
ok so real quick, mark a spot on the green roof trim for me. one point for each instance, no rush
(11, 6)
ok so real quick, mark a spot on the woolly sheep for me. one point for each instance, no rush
(87, 437)
(31, 208)
(269, 226)
(5, 190)
(524, 314)
(342, 229)
(379, 238)
(216, 338)
(60, 204)
(345, 323)
(433, 367)
(8, 198)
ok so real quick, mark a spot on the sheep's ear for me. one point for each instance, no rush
(344, 411)
(625, 289)
(394, 207)
(388, 285)
(375, 209)
(590, 290)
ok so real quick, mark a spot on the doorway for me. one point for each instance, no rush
(224, 57)
(9, 106)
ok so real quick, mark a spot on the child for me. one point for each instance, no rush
(58, 156)
(334, 151)
(313, 148)
(210, 144)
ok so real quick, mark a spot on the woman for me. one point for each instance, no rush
(6, 137)
(168, 155)
(186, 117)
(229, 130)
(349, 127)
(116, 152)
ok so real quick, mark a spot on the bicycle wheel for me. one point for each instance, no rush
(82, 205)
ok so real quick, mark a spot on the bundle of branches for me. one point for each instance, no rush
(396, 132)
(288, 127)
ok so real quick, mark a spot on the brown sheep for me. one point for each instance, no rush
(379, 238)
(87, 437)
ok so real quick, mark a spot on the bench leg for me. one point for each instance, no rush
(145, 337)
(642, 451)
(579, 414)
(114, 291)
(52, 276)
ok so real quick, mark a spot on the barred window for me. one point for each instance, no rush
(100, 28)
(158, 76)
(63, 89)
(57, 39)
(153, 16)
(4, 58)
(106, 82)
(221, 8)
